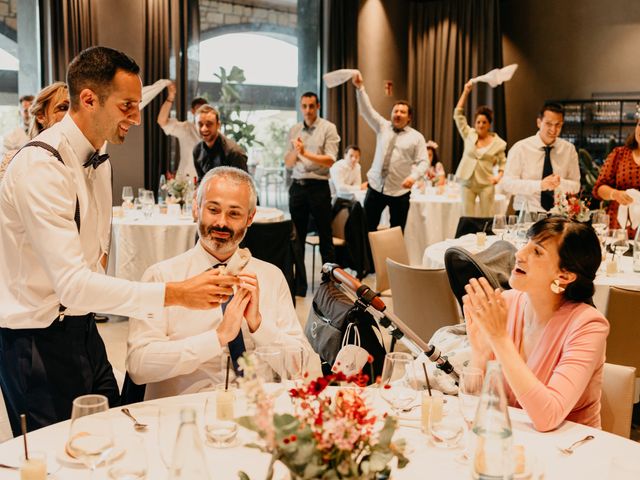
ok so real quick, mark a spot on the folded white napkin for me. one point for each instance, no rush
(149, 92)
(630, 212)
(338, 77)
(497, 76)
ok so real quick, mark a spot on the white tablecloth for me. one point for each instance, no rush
(138, 242)
(433, 257)
(433, 218)
(590, 461)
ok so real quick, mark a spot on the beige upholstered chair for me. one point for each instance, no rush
(388, 243)
(422, 298)
(618, 383)
(622, 312)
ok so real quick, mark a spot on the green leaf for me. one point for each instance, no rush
(243, 476)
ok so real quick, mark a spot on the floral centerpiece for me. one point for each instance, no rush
(326, 438)
(571, 206)
(177, 190)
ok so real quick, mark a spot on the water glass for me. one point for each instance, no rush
(90, 434)
(269, 363)
(220, 428)
(499, 225)
(512, 222)
(432, 403)
(398, 386)
(148, 202)
(469, 390)
(133, 464)
(447, 429)
(168, 424)
(295, 361)
(127, 195)
(619, 241)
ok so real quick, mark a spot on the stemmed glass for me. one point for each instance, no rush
(148, 201)
(270, 367)
(619, 241)
(600, 223)
(469, 390)
(398, 386)
(168, 424)
(295, 363)
(512, 226)
(90, 435)
(499, 225)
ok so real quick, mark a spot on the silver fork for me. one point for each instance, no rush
(137, 426)
(570, 448)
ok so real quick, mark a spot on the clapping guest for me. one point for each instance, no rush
(620, 171)
(483, 151)
(545, 333)
(48, 108)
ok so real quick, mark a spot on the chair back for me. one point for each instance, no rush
(622, 312)
(338, 223)
(422, 298)
(473, 225)
(616, 404)
(388, 243)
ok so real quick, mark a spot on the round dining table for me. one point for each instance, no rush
(591, 460)
(137, 242)
(433, 217)
(625, 277)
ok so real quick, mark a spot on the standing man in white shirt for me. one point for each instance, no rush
(399, 148)
(313, 148)
(186, 132)
(55, 215)
(542, 163)
(19, 135)
(346, 175)
(185, 350)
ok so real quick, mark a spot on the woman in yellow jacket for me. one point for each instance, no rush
(483, 150)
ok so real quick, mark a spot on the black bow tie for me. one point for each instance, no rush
(96, 159)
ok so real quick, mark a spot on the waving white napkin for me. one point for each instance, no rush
(338, 77)
(497, 76)
(149, 92)
(632, 211)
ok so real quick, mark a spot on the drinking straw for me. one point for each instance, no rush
(426, 376)
(23, 425)
(226, 378)
(484, 229)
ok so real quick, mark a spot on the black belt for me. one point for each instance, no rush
(308, 181)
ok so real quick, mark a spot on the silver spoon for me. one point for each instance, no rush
(569, 450)
(137, 426)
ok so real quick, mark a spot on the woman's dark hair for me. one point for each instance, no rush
(434, 156)
(578, 249)
(631, 142)
(486, 111)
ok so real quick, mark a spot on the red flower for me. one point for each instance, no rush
(370, 359)
(293, 437)
(386, 386)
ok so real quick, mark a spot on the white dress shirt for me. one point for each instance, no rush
(523, 172)
(188, 138)
(15, 138)
(345, 180)
(320, 138)
(43, 259)
(180, 352)
(409, 156)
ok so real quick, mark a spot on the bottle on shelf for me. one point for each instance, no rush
(492, 435)
(636, 251)
(188, 461)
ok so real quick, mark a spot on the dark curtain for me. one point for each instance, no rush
(451, 41)
(340, 50)
(156, 67)
(67, 28)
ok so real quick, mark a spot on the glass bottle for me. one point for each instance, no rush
(188, 457)
(492, 435)
(162, 192)
(636, 251)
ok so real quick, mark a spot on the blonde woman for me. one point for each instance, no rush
(483, 150)
(48, 108)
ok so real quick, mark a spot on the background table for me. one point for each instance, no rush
(590, 461)
(433, 257)
(138, 242)
(433, 218)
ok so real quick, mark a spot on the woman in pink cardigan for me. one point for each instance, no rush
(546, 334)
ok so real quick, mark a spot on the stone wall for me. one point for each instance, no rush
(215, 14)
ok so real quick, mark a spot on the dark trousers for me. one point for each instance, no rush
(311, 197)
(43, 369)
(375, 202)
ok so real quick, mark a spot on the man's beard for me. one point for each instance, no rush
(220, 246)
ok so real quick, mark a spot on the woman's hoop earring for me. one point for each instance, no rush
(556, 288)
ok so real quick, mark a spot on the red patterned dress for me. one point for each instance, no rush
(620, 171)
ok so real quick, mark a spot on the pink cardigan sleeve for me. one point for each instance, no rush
(582, 354)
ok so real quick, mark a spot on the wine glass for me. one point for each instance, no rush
(499, 225)
(512, 225)
(133, 464)
(148, 202)
(469, 390)
(526, 219)
(398, 386)
(127, 194)
(295, 363)
(619, 241)
(90, 435)
(168, 424)
(270, 368)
